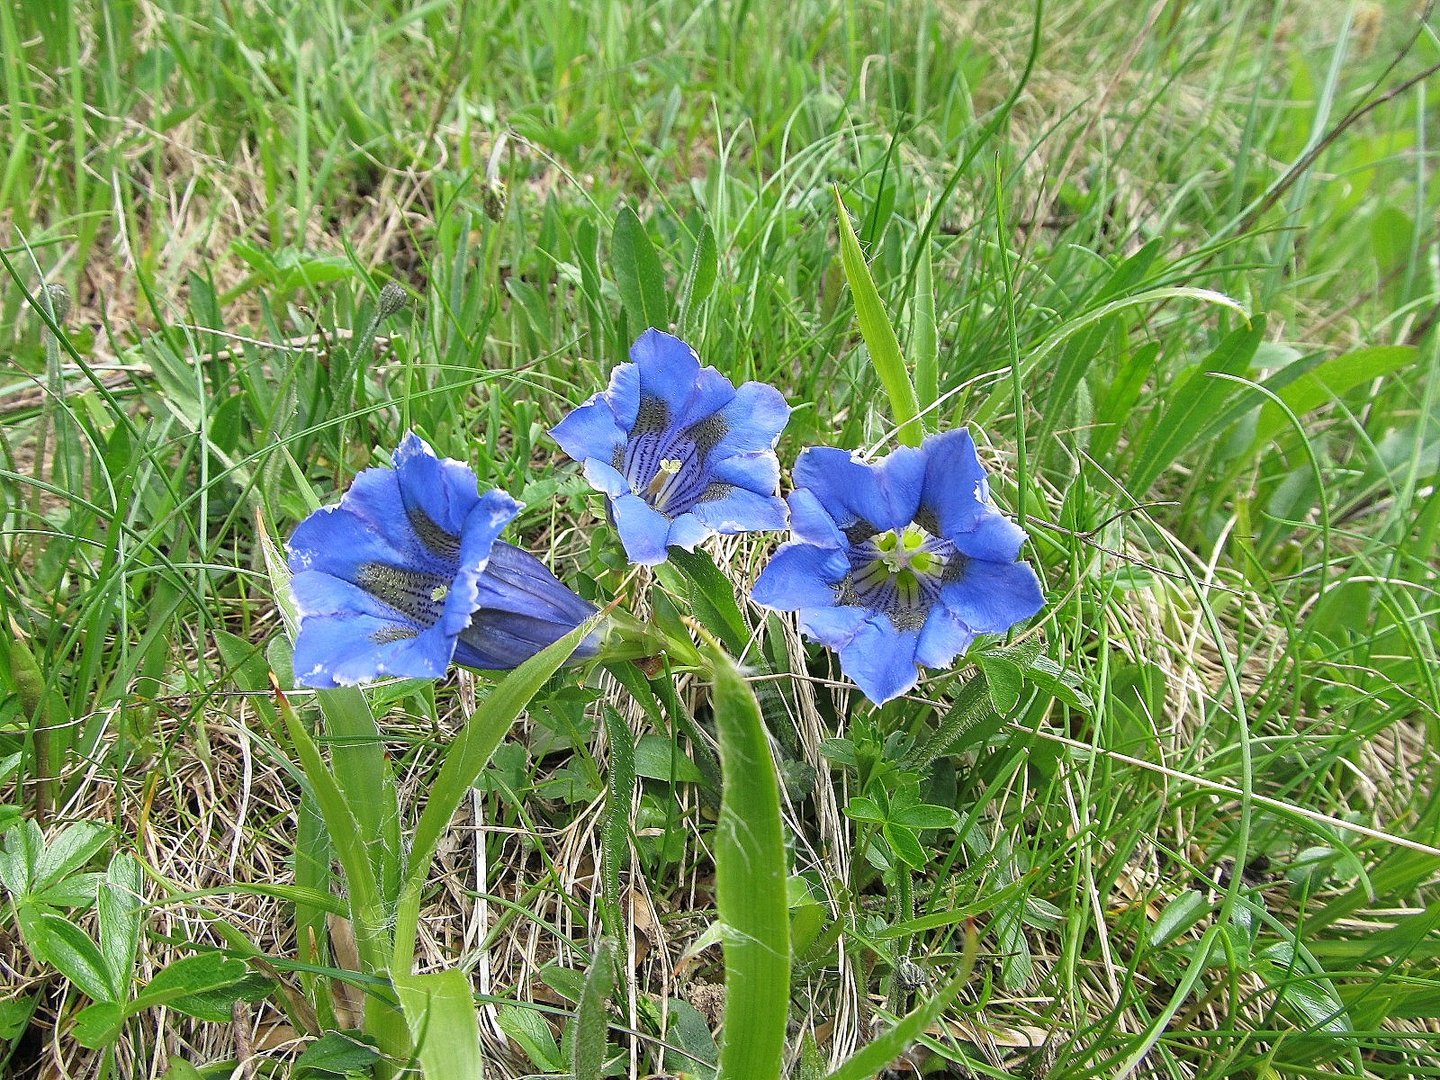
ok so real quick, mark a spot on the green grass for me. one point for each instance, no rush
(1184, 283)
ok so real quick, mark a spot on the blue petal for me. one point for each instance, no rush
(334, 540)
(591, 430)
(491, 513)
(810, 522)
(686, 531)
(885, 494)
(514, 580)
(800, 576)
(369, 525)
(644, 531)
(606, 478)
(443, 491)
(991, 597)
(881, 659)
(320, 594)
(669, 370)
(739, 511)
(953, 479)
(523, 608)
(758, 472)
(956, 495)
(943, 638)
(347, 637)
(993, 536)
(754, 419)
(833, 627)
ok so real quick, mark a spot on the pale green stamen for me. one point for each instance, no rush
(659, 490)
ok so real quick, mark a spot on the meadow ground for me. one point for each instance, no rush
(1173, 263)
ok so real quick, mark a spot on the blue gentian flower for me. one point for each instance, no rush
(678, 450)
(407, 572)
(898, 563)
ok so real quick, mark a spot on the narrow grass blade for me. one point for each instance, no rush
(441, 1016)
(1192, 403)
(924, 339)
(365, 907)
(871, 1059)
(879, 334)
(750, 886)
(464, 760)
(700, 279)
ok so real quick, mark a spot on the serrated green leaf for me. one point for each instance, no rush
(98, 1025)
(925, 816)
(68, 851)
(1005, 682)
(119, 905)
(64, 946)
(336, 1052)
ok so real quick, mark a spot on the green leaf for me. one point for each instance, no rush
(924, 339)
(440, 1012)
(1328, 381)
(639, 274)
(336, 1052)
(879, 334)
(615, 840)
(870, 1061)
(192, 975)
(1191, 405)
(750, 891)
(905, 844)
(592, 1026)
(64, 946)
(467, 755)
(98, 1025)
(15, 1016)
(528, 1028)
(120, 905)
(1005, 682)
(657, 758)
(68, 852)
(864, 808)
(18, 855)
(704, 268)
(925, 816)
(1178, 916)
(712, 598)
(182, 1070)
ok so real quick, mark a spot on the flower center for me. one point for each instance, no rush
(899, 573)
(662, 485)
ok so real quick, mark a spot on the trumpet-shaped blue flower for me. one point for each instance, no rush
(407, 572)
(899, 564)
(678, 450)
